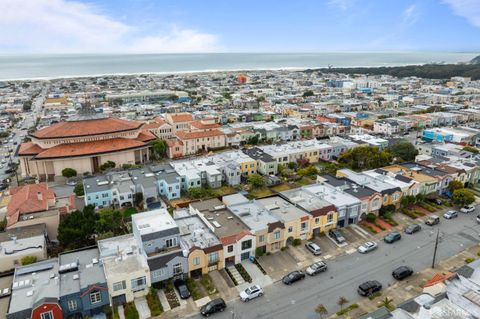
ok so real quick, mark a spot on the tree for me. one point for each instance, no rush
(69, 172)
(371, 217)
(253, 140)
(308, 93)
(387, 303)
(138, 199)
(291, 165)
(342, 301)
(365, 157)
(27, 106)
(110, 220)
(462, 197)
(77, 229)
(471, 149)
(78, 189)
(27, 260)
(321, 310)
(404, 150)
(407, 201)
(200, 192)
(454, 185)
(159, 148)
(256, 181)
(107, 165)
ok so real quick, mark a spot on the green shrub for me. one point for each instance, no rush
(375, 295)
(245, 275)
(478, 253)
(153, 302)
(130, 311)
(371, 217)
(193, 288)
(231, 276)
(259, 252)
(297, 242)
(207, 282)
(469, 260)
(347, 309)
(27, 260)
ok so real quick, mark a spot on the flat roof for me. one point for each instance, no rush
(194, 233)
(253, 214)
(153, 221)
(305, 199)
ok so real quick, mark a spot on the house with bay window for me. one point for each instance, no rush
(126, 269)
(237, 240)
(158, 237)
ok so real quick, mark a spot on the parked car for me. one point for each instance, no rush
(337, 236)
(412, 229)
(478, 219)
(467, 209)
(450, 214)
(251, 293)
(3, 186)
(392, 237)
(316, 268)
(367, 247)
(369, 287)
(182, 289)
(216, 305)
(437, 201)
(314, 248)
(402, 272)
(293, 277)
(432, 220)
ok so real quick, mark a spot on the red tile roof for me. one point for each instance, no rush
(228, 240)
(29, 148)
(87, 127)
(437, 278)
(200, 125)
(181, 117)
(90, 148)
(160, 120)
(24, 200)
(146, 136)
(199, 134)
(149, 126)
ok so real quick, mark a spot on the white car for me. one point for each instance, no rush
(251, 293)
(467, 209)
(314, 248)
(367, 247)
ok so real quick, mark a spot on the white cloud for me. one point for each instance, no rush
(410, 15)
(341, 4)
(70, 26)
(469, 9)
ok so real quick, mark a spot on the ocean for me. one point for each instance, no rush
(15, 67)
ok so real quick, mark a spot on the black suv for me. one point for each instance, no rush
(293, 277)
(369, 287)
(392, 237)
(402, 272)
(182, 289)
(337, 236)
(216, 305)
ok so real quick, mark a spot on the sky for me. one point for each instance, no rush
(197, 26)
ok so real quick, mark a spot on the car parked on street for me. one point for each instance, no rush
(182, 289)
(392, 237)
(336, 235)
(412, 229)
(367, 247)
(467, 209)
(402, 272)
(432, 220)
(450, 214)
(369, 287)
(316, 268)
(216, 305)
(314, 248)
(478, 219)
(252, 292)
(292, 277)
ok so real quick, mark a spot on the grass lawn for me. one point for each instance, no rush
(305, 181)
(260, 192)
(283, 187)
(225, 190)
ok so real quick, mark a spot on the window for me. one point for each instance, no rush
(329, 218)
(247, 244)
(261, 238)
(177, 269)
(317, 220)
(385, 199)
(139, 283)
(72, 305)
(213, 257)
(119, 285)
(47, 315)
(196, 261)
(95, 297)
(276, 235)
(159, 273)
(171, 242)
(303, 226)
(290, 229)
(230, 248)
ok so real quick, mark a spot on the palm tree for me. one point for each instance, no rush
(387, 303)
(342, 301)
(321, 310)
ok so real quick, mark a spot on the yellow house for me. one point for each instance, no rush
(247, 165)
(202, 261)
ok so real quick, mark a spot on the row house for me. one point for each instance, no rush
(427, 184)
(237, 240)
(407, 185)
(266, 164)
(268, 230)
(199, 172)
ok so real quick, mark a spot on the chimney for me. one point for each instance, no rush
(40, 196)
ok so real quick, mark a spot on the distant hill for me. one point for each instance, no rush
(475, 60)
(427, 71)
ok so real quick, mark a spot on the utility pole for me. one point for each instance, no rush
(435, 249)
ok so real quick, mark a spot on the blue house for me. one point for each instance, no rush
(83, 287)
(169, 181)
(98, 191)
(436, 136)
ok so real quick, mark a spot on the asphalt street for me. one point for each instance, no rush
(347, 272)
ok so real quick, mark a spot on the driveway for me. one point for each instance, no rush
(278, 264)
(142, 308)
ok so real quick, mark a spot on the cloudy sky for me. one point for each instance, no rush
(166, 26)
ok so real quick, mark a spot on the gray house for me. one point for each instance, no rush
(159, 238)
(83, 287)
